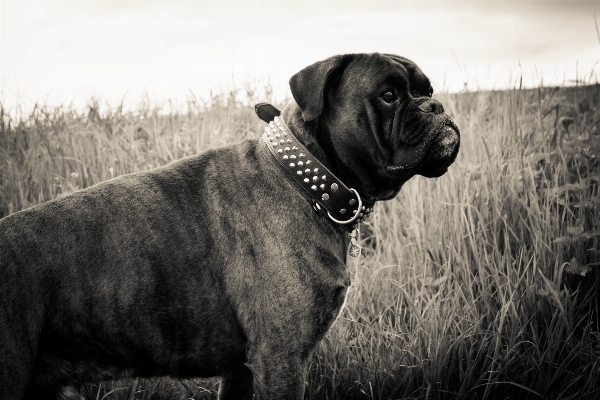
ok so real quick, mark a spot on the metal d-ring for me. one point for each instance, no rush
(355, 215)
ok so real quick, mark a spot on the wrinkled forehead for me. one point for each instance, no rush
(381, 67)
(416, 76)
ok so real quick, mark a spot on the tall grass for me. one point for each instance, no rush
(483, 283)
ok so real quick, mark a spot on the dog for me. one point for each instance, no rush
(223, 263)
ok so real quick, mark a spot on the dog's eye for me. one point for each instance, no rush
(430, 91)
(388, 97)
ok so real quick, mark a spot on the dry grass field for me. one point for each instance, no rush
(481, 284)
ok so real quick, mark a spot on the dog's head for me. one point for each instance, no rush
(374, 117)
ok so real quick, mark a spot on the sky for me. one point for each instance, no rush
(55, 52)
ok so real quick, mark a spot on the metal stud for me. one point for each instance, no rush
(343, 211)
(325, 197)
(334, 187)
(275, 144)
(280, 151)
(293, 157)
(314, 187)
(324, 177)
(301, 155)
(281, 141)
(284, 134)
(300, 163)
(363, 208)
(352, 202)
(294, 148)
(281, 129)
(292, 165)
(307, 171)
(306, 180)
(316, 170)
(322, 186)
(308, 162)
(287, 148)
(299, 172)
(285, 157)
(360, 215)
(315, 178)
(353, 211)
(277, 136)
(289, 140)
(271, 139)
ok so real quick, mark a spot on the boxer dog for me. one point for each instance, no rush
(219, 264)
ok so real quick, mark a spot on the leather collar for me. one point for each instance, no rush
(328, 194)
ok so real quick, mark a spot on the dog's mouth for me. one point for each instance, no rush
(436, 159)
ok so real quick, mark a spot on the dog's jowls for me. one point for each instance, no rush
(214, 265)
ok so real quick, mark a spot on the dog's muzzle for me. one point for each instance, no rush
(443, 150)
(421, 115)
(431, 140)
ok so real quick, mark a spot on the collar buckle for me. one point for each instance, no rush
(357, 213)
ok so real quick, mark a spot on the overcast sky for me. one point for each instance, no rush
(57, 52)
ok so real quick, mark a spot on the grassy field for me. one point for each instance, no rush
(481, 284)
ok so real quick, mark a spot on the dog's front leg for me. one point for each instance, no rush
(272, 378)
(236, 384)
(278, 375)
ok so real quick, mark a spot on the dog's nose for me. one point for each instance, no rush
(432, 106)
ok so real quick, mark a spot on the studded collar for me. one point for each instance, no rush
(328, 195)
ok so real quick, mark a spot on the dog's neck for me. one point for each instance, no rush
(318, 140)
(294, 146)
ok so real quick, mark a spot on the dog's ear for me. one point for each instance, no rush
(308, 85)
